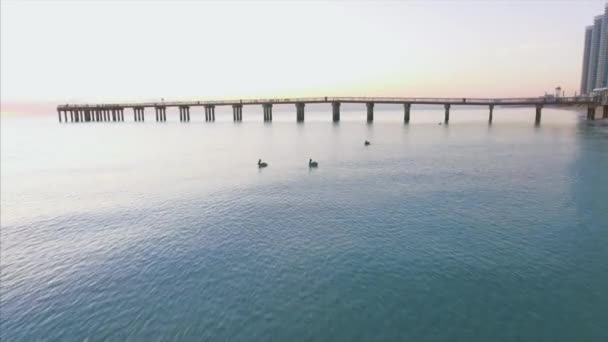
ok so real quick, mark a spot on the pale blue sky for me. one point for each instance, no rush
(141, 50)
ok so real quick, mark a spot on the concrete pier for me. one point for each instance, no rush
(300, 111)
(115, 112)
(210, 113)
(539, 109)
(406, 112)
(370, 112)
(335, 110)
(267, 112)
(590, 113)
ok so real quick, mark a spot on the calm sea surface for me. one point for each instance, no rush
(169, 232)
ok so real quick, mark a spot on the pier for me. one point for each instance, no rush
(115, 112)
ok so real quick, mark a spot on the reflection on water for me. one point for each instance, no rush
(170, 231)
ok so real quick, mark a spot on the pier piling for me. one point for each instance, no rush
(335, 108)
(605, 112)
(406, 112)
(300, 111)
(539, 109)
(446, 117)
(209, 113)
(267, 112)
(590, 113)
(237, 113)
(491, 114)
(370, 112)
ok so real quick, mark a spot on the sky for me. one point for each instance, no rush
(109, 51)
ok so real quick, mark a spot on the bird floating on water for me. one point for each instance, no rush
(366, 143)
(261, 164)
(312, 163)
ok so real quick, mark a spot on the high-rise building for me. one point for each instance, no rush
(594, 52)
(602, 66)
(595, 55)
(586, 52)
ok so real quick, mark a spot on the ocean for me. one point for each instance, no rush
(169, 231)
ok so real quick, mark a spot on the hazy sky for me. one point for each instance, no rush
(73, 51)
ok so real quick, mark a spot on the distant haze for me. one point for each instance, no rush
(72, 51)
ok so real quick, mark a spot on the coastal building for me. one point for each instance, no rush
(602, 66)
(586, 53)
(594, 73)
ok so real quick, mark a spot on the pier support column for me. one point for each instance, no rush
(300, 112)
(113, 114)
(135, 114)
(491, 113)
(370, 112)
(164, 113)
(184, 113)
(539, 109)
(604, 112)
(335, 109)
(406, 112)
(65, 116)
(446, 116)
(267, 112)
(59, 114)
(71, 116)
(77, 115)
(209, 113)
(237, 113)
(591, 113)
(156, 112)
(122, 114)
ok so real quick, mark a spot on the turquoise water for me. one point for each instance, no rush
(160, 232)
